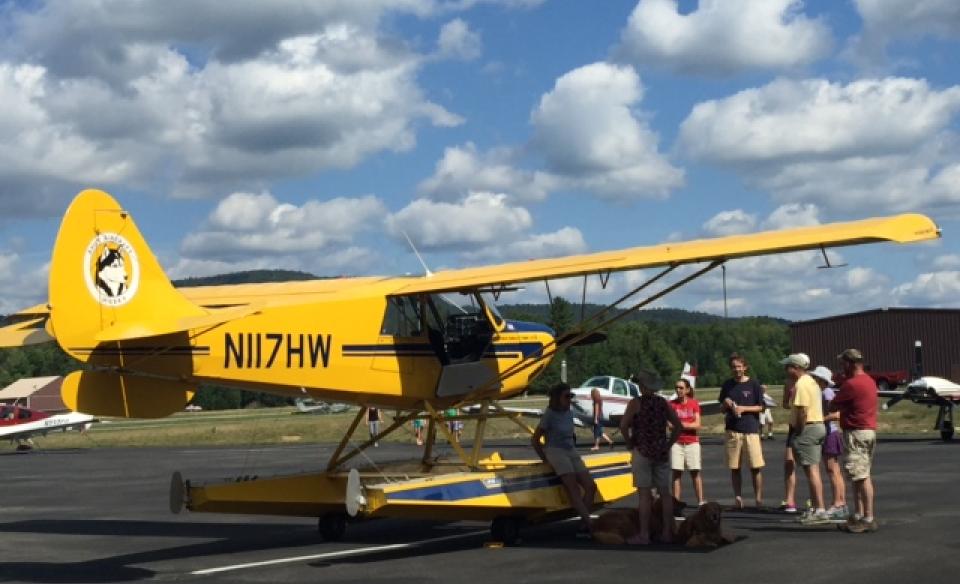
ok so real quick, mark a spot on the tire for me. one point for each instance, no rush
(946, 433)
(506, 530)
(332, 526)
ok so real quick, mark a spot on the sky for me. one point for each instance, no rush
(318, 136)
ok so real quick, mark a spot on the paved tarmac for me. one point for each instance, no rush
(101, 515)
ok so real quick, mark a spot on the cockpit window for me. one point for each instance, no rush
(24, 414)
(6, 413)
(491, 305)
(402, 317)
(601, 382)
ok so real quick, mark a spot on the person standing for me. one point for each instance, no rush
(789, 504)
(644, 427)
(560, 452)
(766, 416)
(806, 419)
(832, 445)
(856, 402)
(418, 430)
(742, 399)
(373, 423)
(598, 432)
(685, 454)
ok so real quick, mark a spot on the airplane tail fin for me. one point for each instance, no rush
(105, 283)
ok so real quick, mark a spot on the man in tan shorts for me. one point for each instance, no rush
(742, 400)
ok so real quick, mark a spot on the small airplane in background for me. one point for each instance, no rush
(616, 393)
(312, 406)
(19, 424)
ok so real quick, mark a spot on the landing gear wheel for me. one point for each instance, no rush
(506, 530)
(332, 526)
(946, 432)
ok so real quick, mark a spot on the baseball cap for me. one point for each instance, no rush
(797, 360)
(823, 373)
(851, 355)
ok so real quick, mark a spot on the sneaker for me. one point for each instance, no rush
(805, 515)
(858, 526)
(838, 513)
(791, 509)
(815, 518)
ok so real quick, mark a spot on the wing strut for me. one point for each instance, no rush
(556, 346)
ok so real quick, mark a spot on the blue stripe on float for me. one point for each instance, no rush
(475, 487)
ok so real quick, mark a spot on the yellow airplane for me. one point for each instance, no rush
(414, 344)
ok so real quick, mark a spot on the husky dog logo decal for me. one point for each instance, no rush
(111, 270)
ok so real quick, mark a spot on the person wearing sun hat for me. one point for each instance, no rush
(806, 418)
(832, 445)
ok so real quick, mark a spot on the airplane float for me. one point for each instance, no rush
(19, 424)
(413, 344)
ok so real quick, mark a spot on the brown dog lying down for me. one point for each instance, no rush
(702, 529)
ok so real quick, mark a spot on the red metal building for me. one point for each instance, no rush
(886, 337)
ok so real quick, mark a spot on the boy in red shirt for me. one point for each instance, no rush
(685, 454)
(855, 405)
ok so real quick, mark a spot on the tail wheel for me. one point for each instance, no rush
(332, 526)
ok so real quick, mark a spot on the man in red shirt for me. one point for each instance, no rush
(855, 405)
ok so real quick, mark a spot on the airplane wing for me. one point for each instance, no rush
(905, 228)
(72, 421)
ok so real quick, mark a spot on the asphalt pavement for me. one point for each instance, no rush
(101, 515)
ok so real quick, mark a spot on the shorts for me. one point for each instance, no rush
(648, 473)
(739, 445)
(685, 456)
(859, 446)
(597, 431)
(766, 417)
(417, 424)
(808, 444)
(833, 444)
(564, 461)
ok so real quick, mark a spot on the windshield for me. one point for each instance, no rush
(601, 382)
(491, 305)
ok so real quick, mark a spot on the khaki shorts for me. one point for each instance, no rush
(743, 445)
(808, 444)
(648, 474)
(564, 461)
(859, 446)
(685, 456)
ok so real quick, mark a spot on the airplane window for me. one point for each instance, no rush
(24, 414)
(402, 317)
(620, 387)
(6, 413)
(601, 382)
(491, 304)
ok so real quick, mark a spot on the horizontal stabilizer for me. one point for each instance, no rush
(123, 396)
(27, 327)
(126, 331)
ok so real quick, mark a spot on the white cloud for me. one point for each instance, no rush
(937, 289)
(723, 36)
(480, 219)
(734, 307)
(730, 223)
(949, 261)
(245, 227)
(457, 41)
(463, 169)
(885, 143)
(201, 102)
(587, 131)
(793, 215)
(887, 20)
(565, 241)
(22, 282)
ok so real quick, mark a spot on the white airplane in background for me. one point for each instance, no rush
(616, 393)
(930, 391)
(19, 424)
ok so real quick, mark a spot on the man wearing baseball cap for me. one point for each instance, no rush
(806, 419)
(856, 400)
